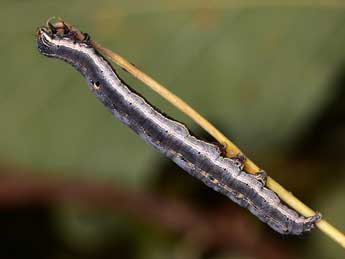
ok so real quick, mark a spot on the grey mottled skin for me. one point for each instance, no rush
(200, 159)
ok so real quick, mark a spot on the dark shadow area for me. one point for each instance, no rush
(325, 137)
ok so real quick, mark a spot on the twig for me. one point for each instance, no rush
(231, 149)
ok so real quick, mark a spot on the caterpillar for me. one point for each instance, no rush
(199, 158)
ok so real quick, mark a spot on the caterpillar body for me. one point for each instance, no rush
(200, 159)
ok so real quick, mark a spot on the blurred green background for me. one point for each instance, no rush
(75, 183)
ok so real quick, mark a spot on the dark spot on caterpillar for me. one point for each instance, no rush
(238, 164)
(96, 85)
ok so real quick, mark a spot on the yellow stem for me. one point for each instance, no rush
(231, 149)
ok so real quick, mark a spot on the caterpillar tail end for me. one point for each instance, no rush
(309, 222)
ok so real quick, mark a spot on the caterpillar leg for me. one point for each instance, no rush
(222, 148)
(261, 176)
(309, 222)
(239, 161)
